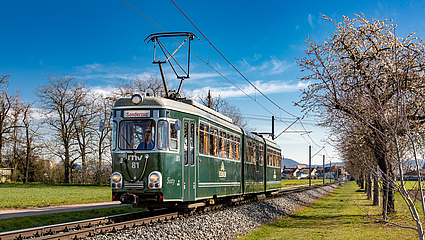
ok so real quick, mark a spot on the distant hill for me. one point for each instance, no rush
(290, 163)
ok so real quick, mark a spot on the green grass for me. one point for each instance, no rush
(11, 224)
(334, 217)
(18, 195)
(288, 183)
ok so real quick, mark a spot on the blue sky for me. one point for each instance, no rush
(103, 41)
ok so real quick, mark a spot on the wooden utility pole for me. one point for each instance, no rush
(209, 99)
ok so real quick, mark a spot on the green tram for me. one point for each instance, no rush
(168, 153)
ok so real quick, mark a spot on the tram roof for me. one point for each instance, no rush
(187, 105)
(261, 137)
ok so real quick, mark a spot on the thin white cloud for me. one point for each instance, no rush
(269, 67)
(98, 71)
(310, 20)
(265, 87)
(203, 75)
(103, 91)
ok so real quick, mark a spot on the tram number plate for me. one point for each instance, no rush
(134, 165)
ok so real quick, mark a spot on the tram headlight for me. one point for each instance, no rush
(154, 177)
(136, 99)
(116, 180)
(155, 180)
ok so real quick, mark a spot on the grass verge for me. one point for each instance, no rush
(334, 217)
(11, 224)
(18, 195)
(296, 182)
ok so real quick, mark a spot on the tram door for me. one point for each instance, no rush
(189, 163)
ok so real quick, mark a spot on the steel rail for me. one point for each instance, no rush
(71, 228)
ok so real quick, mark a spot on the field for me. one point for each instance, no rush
(18, 195)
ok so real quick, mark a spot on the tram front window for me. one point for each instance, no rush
(137, 134)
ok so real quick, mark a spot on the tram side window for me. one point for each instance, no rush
(238, 142)
(253, 157)
(162, 134)
(247, 151)
(174, 137)
(220, 144)
(271, 158)
(229, 143)
(206, 139)
(233, 147)
(250, 152)
(225, 145)
(203, 138)
(213, 142)
(261, 152)
(114, 135)
(279, 158)
(275, 158)
(268, 157)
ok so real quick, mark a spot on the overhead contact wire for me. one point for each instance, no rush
(207, 63)
(237, 70)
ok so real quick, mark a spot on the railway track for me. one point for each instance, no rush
(112, 224)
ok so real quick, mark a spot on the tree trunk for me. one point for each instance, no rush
(362, 181)
(366, 187)
(369, 186)
(66, 164)
(387, 177)
(27, 155)
(376, 193)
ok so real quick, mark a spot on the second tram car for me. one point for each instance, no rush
(168, 153)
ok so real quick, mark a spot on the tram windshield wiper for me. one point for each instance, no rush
(125, 139)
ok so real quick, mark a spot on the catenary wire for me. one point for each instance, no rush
(207, 63)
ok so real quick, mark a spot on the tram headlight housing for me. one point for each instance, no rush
(116, 180)
(136, 99)
(155, 180)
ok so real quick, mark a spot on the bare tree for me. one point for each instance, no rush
(152, 85)
(62, 99)
(30, 132)
(220, 105)
(85, 128)
(103, 106)
(6, 104)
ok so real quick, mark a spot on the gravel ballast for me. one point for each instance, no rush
(226, 224)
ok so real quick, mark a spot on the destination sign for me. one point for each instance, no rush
(136, 113)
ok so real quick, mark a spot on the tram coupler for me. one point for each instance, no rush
(128, 199)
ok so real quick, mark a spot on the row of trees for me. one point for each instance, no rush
(369, 89)
(38, 140)
(45, 140)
